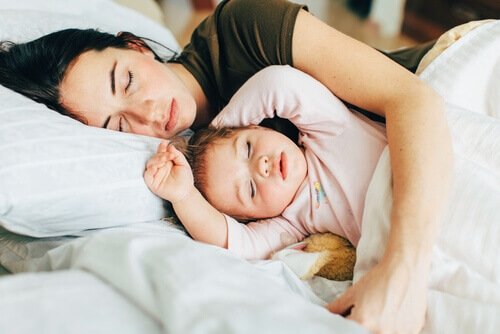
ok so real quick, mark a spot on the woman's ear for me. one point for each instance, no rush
(134, 42)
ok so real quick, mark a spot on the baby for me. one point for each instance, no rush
(283, 191)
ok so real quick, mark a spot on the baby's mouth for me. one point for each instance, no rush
(283, 165)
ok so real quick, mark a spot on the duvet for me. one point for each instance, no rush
(464, 285)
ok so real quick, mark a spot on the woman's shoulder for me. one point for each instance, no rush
(239, 39)
(249, 24)
(258, 8)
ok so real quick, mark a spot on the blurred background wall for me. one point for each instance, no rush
(384, 24)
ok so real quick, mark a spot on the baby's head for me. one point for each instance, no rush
(247, 173)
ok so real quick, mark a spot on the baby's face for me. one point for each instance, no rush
(254, 174)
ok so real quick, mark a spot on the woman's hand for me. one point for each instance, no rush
(168, 174)
(390, 298)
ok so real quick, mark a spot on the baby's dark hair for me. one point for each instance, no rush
(37, 68)
(197, 152)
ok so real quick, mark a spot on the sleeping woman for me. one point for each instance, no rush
(118, 83)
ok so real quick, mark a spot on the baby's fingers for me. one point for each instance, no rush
(163, 147)
(162, 174)
(149, 175)
(157, 159)
(176, 155)
(157, 174)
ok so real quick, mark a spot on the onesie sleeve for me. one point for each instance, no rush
(287, 93)
(259, 239)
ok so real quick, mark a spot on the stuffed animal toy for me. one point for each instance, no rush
(323, 254)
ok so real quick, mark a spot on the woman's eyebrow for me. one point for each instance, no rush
(112, 78)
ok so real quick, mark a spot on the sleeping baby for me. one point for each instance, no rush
(253, 190)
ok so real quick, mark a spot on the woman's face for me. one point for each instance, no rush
(129, 91)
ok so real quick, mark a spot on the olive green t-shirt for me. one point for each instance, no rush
(242, 37)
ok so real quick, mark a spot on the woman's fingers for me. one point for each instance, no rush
(342, 305)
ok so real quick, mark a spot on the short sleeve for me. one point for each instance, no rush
(240, 38)
(289, 94)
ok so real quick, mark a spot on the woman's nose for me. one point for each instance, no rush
(145, 113)
(263, 166)
(150, 114)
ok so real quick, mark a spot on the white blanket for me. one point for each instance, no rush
(175, 283)
(68, 302)
(464, 285)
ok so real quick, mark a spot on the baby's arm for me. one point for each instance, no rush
(290, 94)
(169, 176)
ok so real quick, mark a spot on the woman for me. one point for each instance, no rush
(117, 83)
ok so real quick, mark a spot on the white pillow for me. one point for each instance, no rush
(23, 20)
(58, 176)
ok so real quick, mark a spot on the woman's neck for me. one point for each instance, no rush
(203, 108)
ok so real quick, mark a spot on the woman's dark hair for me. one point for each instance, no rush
(36, 68)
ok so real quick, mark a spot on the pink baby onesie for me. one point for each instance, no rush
(341, 148)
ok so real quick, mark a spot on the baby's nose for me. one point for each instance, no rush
(264, 166)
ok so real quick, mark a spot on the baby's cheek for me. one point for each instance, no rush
(276, 200)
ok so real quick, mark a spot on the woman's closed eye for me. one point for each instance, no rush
(120, 124)
(130, 80)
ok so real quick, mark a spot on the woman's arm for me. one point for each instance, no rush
(392, 296)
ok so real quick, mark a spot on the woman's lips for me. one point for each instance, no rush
(284, 165)
(174, 113)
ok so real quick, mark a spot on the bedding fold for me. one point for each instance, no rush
(464, 283)
(190, 287)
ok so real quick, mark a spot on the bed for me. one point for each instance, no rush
(85, 247)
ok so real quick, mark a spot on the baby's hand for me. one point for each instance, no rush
(168, 174)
